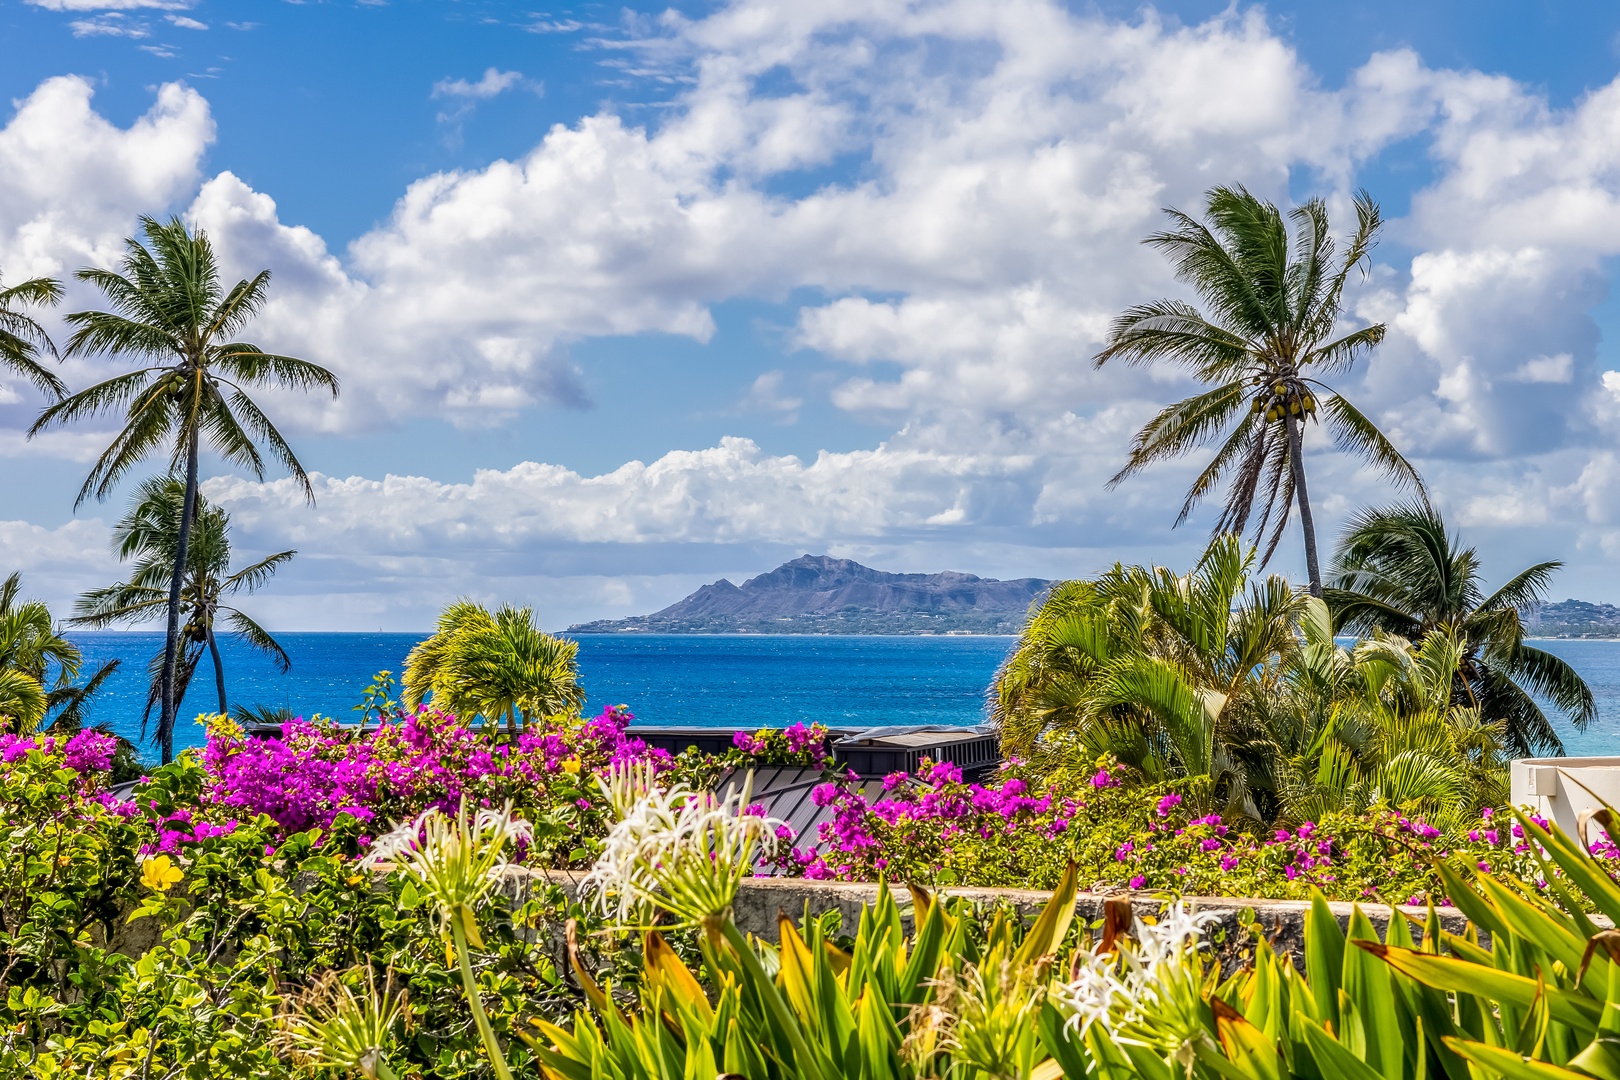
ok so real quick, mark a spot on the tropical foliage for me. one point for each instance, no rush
(1240, 684)
(498, 665)
(171, 312)
(1132, 997)
(1274, 296)
(148, 535)
(30, 648)
(1400, 571)
(244, 914)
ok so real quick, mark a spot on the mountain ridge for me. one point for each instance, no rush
(818, 594)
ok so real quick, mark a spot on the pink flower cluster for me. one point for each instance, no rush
(181, 828)
(88, 751)
(313, 772)
(936, 800)
(805, 745)
(1310, 851)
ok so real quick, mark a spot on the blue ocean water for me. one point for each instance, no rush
(742, 681)
(674, 680)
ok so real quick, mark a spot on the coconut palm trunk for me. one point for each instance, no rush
(1296, 454)
(168, 705)
(219, 669)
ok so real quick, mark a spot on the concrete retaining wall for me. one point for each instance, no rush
(761, 899)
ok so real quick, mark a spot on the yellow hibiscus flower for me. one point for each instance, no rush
(159, 874)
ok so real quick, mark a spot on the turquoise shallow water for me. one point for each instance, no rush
(742, 681)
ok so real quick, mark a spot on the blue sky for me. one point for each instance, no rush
(626, 299)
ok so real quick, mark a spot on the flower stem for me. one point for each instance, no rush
(496, 1057)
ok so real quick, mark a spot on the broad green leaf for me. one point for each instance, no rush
(1324, 960)
(1046, 934)
(1508, 1064)
(1246, 1046)
(1369, 986)
(1464, 978)
(1334, 1060)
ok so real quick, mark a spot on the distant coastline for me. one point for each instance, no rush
(1571, 620)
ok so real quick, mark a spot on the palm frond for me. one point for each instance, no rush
(254, 420)
(1524, 588)
(1173, 330)
(22, 702)
(249, 364)
(257, 637)
(70, 703)
(255, 576)
(1553, 678)
(1354, 431)
(22, 338)
(237, 309)
(1528, 732)
(1180, 427)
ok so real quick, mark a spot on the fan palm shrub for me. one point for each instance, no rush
(1400, 571)
(498, 665)
(1374, 724)
(148, 535)
(38, 667)
(1239, 684)
(29, 648)
(1273, 290)
(172, 313)
(1151, 667)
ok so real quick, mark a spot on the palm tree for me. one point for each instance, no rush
(493, 665)
(1400, 571)
(1275, 303)
(170, 309)
(22, 337)
(29, 646)
(149, 534)
(68, 704)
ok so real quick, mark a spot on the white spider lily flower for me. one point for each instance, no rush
(1096, 994)
(455, 860)
(1174, 937)
(679, 851)
(1118, 991)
